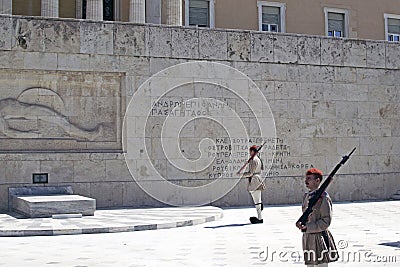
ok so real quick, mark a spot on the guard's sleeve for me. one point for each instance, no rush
(325, 220)
(252, 169)
(304, 202)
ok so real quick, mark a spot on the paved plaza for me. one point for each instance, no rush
(367, 233)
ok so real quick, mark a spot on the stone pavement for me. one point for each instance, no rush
(109, 221)
(368, 230)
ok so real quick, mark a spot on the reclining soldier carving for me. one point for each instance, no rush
(12, 109)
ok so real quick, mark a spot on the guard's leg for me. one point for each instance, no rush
(257, 202)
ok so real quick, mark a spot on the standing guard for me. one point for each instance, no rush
(318, 244)
(256, 184)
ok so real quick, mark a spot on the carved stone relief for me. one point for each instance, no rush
(56, 109)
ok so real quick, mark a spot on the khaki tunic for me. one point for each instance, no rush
(255, 180)
(315, 249)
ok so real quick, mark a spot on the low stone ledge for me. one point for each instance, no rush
(111, 221)
(46, 201)
(46, 206)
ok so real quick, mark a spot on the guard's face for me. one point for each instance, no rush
(311, 182)
(252, 152)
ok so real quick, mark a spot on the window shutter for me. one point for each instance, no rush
(199, 13)
(270, 15)
(393, 26)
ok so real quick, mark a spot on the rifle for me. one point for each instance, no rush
(252, 157)
(311, 203)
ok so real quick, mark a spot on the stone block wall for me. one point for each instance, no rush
(65, 86)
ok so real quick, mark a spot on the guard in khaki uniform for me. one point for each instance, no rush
(318, 244)
(256, 184)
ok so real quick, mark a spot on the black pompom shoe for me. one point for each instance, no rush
(255, 220)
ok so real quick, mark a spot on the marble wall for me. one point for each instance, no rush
(65, 85)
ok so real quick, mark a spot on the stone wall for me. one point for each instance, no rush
(65, 85)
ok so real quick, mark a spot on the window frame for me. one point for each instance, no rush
(346, 20)
(282, 14)
(211, 4)
(387, 16)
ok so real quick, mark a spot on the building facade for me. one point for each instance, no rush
(65, 88)
(67, 84)
(364, 19)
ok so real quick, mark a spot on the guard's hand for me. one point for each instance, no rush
(300, 226)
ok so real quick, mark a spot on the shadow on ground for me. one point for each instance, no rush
(227, 225)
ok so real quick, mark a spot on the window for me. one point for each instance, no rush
(271, 19)
(84, 3)
(199, 13)
(271, 16)
(110, 9)
(336, 22)
(392, 27)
